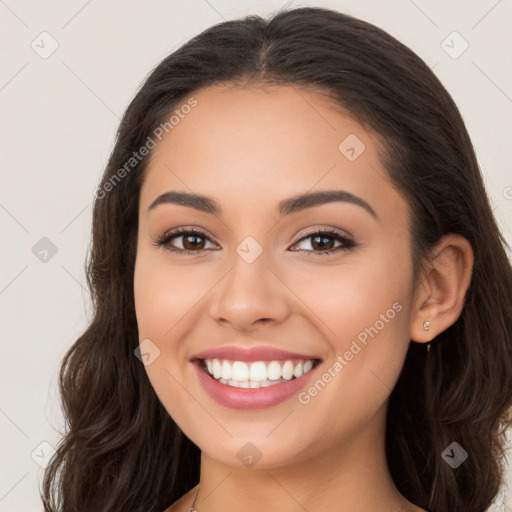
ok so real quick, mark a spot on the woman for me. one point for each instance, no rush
(302, 298)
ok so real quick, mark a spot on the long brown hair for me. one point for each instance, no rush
(122, 450)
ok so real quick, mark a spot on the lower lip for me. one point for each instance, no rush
(251, 398)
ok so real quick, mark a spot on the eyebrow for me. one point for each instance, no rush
(286, 207)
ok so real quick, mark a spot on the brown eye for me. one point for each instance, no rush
(322, 242)
(192, 241)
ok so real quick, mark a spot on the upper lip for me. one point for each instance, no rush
(237, 353)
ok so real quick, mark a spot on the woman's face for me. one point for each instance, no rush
(261, 277)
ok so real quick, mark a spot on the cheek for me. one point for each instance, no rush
(376, 343)
(166, 298)
(162, 295)
(363, 310)
(352, 296)
(159, 306)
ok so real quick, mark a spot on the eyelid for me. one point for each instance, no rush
(306, 232)
(181, 230)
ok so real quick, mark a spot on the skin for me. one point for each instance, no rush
(248, 148)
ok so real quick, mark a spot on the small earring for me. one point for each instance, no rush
(426, 325)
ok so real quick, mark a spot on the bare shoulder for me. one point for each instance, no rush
(184, 503)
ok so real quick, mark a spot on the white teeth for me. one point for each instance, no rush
(288, 370)
(274, 371)
(250, 384)
(240, 371)
(298, 371)
(226, 370)
(217, 370)
(257, 374)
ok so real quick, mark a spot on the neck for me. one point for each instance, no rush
(352, 475)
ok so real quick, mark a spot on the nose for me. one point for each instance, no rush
(250, 295)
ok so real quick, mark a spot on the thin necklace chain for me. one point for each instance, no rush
(193, 507)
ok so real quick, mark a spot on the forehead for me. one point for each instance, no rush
(251, 146)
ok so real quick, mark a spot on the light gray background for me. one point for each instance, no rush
(59, 116)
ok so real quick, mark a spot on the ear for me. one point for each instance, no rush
(442, 289)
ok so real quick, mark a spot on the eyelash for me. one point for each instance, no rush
(164, 240)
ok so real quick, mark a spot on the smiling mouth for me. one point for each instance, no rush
(258, 374)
